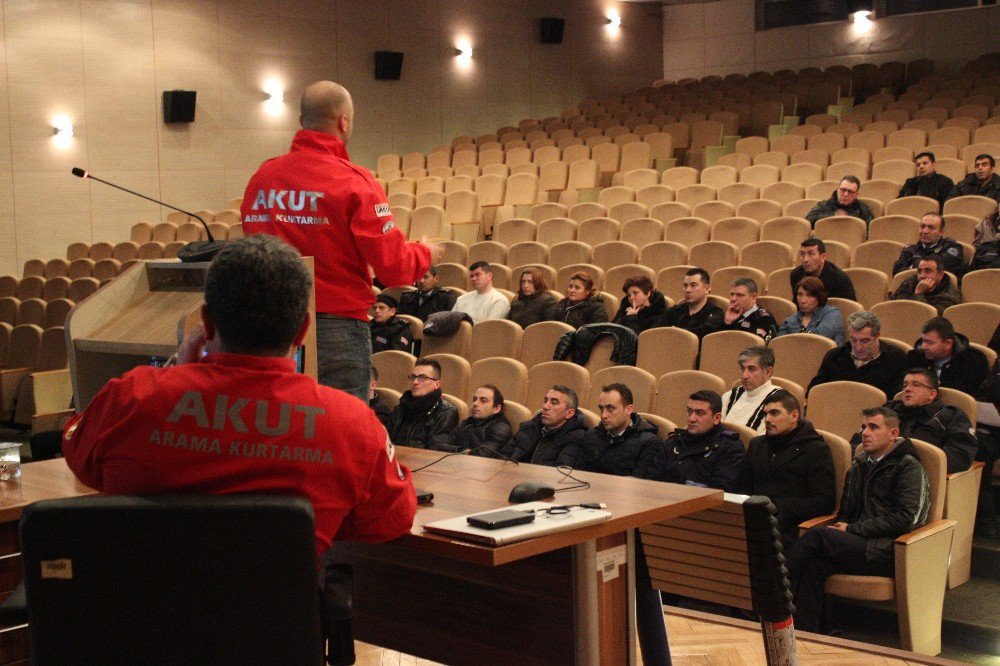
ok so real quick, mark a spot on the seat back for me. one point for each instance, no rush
(720, 350)
(903, 320)
(393, 368)
(641, 383)
(836, 406)
(673, 389)
(980, 286)
(935, 464)
(495, 337)
(870, 285)
(213, 556)
(842, 454)
(798, 356)
(538, 344)
(978, 321)
(683, 346)
(544, 376)
(507, 374)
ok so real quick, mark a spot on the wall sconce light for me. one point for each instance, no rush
(614, 21)
(275, 92)
(862, 12)
(463, 50)
(63, 131)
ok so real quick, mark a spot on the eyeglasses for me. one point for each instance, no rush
(421, 378)
(917, 385)
(844, 190)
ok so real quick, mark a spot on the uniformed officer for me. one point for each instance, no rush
(932, 241)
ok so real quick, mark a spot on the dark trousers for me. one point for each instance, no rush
(650, 624)
(988, 438)
(817, 555)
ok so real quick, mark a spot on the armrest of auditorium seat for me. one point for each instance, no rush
(921, 578)
(817, 521)
(10, 380)
(14, 610)
(961, 498)
(41, 393)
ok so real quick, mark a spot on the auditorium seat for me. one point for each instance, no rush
(851, 231)
(738, 193)
(521, 254)
(712, 255)
(8, 285)
(879, 255)
(543, 376)
(495, 337)
(57, 267)
(798, 356)
(673, 389)
(492, 252)
(641, 383)
(903, 319)
(507, 374)
(613, 253)
(22, 360)
(56, 312)
(767, 256)
(55, 287)
(31, 286)
(538, 343)
(977, 321)
(642, 231)
(31, 311)
(761, 210)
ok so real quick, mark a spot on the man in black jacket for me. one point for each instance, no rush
(932, 241)
(922, 415)
(812, 262)
(553, 436)
(864, 358)
(486, 432)
(623, 443)
(791, 464)
(427, 299)
(928, 182)
(744, 314)
(389, 332)
(375, 403)
(949, 355)
(423, 418)
(695, 313)
(843, 201)
(885, 495)
(982, 182)
(704, 453)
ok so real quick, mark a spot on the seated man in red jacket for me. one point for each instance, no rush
(241, 420)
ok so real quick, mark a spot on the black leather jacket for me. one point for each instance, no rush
(555, 447)
(941, 425)
(633, 453)
(483, 436)
(579, 343)
(426, 430)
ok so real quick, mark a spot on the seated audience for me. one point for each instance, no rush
(813, 263)
(981, 182)
(988, 436)
(533, 302)
(623, 443)
(423, 418)
(583, 303)
(843, 201)
(885, 495)
(263, 427)
(486, 432)
(932, 241)
(382, 410)
(744, 314)
(642, 306)
(988, 230)
(483, 302)
(695, 313)
(745, 403)
(791, 465)
(552, 437)
(427, 299)
(957, 364)
(928, 182)
(922, 415)
(864, 358)
(930, 285)
(703, 453)
(389, 332)
(815, 315)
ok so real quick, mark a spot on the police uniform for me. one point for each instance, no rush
(757, 321)
(950, 251)
(245, 424)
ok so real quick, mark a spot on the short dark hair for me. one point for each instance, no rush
(624, 391)
(851, 179)
(929, 375)
(572, 399)
(713, 399)
(815, 288)
(787, 400)
(935, 258)
(433, 270)
(497, 395)
(644, 284)
(430, 363)
(257, 293)
(941, 326)
(926, 153)
(374, 372)
(388, 300)
(932, 213)
(890, 417)
(749, 283)
(481, 264)
(985, 156)
(584, 278)
(814, 242)
(701, 273)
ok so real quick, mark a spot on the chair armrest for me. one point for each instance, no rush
(818, 520)
(14, 610)
(925, 532)
(957, 475)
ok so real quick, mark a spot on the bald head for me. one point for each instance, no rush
(327, 107)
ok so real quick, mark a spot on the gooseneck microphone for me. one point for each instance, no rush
(194, 251)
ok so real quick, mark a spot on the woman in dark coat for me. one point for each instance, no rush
(642, 306)
(534, 302)
(583, 304)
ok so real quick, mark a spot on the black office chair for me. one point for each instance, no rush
(174, 580)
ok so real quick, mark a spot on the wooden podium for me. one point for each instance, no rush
(139, 318)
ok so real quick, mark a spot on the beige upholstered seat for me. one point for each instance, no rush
(903, 319)
(641, 382)
(836, 406)
(977, 321)
(798, 356)
(673, 389)
(543, 376)
(539, 343)
(720, 350)
(495, 337)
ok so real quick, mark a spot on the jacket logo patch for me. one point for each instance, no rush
(383, 210)
(388, 225)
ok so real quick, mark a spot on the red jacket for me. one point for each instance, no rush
(330, 209)
(245, 424)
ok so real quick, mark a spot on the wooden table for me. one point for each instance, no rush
(49, 479)
(561, 598)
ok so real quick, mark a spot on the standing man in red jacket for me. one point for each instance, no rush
(328, 208)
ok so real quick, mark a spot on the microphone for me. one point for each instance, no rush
(194, 251)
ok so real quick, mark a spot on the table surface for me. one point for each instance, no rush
(465, 484)
(43, 480)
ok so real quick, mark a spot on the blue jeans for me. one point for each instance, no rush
(344, 354)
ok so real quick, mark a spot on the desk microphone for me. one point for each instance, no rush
(194, 251)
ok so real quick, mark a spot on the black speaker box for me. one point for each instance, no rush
(388, 65)
(552, 30)
(178, 106)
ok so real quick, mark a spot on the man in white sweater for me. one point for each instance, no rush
(744, 403)
(483, 302)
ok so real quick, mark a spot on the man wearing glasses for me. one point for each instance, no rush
(922, 415)
(423, 418)
(844, 201)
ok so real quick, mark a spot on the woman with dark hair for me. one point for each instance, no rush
(583, 304)
(814, 314)
(533, 302)
(642, 306)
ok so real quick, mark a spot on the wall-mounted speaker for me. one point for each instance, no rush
(178, 106)
(552, 30)
(388, 65)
